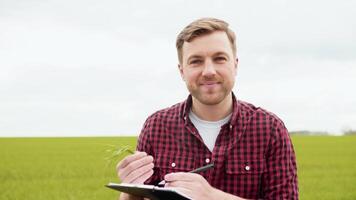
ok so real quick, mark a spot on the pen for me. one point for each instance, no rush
(197, 170)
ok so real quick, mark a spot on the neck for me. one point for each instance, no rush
(213, 112)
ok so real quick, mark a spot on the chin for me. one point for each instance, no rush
(210, 99)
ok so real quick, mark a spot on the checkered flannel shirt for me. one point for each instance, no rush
(253, 155)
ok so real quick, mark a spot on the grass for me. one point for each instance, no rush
(326, 166)
(57, 168)
(77, 168)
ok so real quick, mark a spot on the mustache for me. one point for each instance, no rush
(210, 79)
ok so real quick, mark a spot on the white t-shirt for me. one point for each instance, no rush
(208, 130)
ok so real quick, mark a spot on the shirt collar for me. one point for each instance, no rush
(187, 105)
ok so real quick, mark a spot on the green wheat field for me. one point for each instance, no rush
(78, 168)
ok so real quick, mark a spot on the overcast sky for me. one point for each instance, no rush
(97, 68)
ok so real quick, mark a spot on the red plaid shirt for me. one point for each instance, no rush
(253, 155)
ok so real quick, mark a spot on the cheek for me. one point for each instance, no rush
(229, 75)
(191, 76)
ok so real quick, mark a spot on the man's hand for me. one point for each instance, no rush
(193, 185)
(136, 168)
(196, 187)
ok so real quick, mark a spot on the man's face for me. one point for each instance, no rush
(209, 67)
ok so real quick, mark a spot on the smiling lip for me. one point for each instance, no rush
(210, 83)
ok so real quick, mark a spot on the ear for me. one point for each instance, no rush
(236, 64)
(180, 68)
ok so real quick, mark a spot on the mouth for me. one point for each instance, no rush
(210, 85)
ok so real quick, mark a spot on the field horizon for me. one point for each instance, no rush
(78, 167)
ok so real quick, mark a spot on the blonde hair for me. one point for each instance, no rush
(201, 27)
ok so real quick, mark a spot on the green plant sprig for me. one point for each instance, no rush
(116, 152)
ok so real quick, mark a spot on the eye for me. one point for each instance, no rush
(195, 62)
(220, 59)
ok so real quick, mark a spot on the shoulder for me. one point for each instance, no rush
(158, 124)
(259, 116)
(164, 119)
(166, 114)
(259, 124)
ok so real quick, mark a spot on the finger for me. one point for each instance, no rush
(185, 191)
(135, 165)
(144, 177)
(135, 174)
(181, 176)
(183, 184)
(128, 159)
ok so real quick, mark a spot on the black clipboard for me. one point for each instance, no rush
(149, 191)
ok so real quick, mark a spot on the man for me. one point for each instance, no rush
(250, 147)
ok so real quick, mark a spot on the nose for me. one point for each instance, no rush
(209, 69)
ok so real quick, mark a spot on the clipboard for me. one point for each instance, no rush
(149, 191)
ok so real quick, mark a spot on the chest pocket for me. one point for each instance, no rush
(166, 164)
(244, 166)
(245, 175)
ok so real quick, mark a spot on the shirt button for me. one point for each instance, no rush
(207, 160)
(173, 164)
(247, 168)
(230, 126)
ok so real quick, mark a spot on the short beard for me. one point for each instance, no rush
(209, 99)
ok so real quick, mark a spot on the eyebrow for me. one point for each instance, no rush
(221, 53)
(193, 57)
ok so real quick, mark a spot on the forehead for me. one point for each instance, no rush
(208, 44)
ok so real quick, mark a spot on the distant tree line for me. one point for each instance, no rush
(349, 132)
(305, 132)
